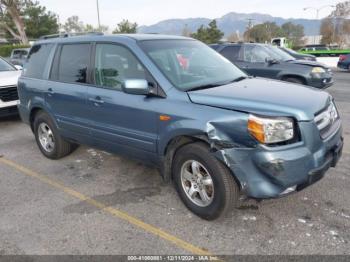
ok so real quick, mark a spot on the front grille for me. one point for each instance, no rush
(327, 121)
(8, 93)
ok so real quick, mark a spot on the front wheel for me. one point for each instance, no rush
(204, 184)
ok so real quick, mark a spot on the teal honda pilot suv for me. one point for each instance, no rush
(175, 103)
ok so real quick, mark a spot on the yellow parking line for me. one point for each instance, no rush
(113, 211)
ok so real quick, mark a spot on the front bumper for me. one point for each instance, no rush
(271, 172)
(321, 81)
(8, 108)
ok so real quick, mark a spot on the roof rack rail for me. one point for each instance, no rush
(65, 34)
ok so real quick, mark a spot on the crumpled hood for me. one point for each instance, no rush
(9, 78)
(308, 63)
(265, 97)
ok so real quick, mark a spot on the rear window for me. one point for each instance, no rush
(37, 60)
(72, 64)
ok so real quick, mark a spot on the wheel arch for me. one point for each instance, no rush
(34, 111)
(181, 140)
(171, 148)
(286, 76)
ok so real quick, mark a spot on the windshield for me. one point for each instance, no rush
(291, 51)
(190, 64)
(4, 66)
(279, 54)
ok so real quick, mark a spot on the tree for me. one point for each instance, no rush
(73, 25)
(11, 19)
(263, 32)
(210, 34)
(91, 28)
(38, 21)
(234, 37)
(125, 27)
(336, 27)
(294, 33)
(33, 20)
(327, 31)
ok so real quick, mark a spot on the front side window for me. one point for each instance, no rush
(114, 64)
(37, 60)
(4, 66)
(256, 54)
(190, 64)
(73, 63)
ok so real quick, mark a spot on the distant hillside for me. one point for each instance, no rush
(228, 23)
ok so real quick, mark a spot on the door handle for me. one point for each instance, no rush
(50, 92)
(97, 101)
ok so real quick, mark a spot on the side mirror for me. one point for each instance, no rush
(18, 67)
(271, 61)
(136, 87)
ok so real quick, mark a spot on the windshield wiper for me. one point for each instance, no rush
(203, 87)
(217, 84)
(239, 79)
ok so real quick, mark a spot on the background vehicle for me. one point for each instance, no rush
(281, 42)
(19, 56)
(298, 56)
(269, 61)
(9, 75)
(315, 48)
(131, 94)
(322, 50)
(344, 62)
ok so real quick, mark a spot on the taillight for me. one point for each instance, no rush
(342, 57)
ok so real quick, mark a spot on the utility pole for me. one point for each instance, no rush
(98, 15)
(249, 26)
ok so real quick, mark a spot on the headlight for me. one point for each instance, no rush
(271, 130)
(318, 70)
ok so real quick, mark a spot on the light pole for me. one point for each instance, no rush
(317, 13)
(98, 15)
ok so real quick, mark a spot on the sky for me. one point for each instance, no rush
(147, 12)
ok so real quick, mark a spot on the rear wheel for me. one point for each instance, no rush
(294, 80)
(49, 141)
(204, 184)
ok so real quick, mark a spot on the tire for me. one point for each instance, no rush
(224, 192)
(59, 147)
(294, 80)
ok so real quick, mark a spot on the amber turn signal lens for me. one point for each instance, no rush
(256, 129)
(164, 118)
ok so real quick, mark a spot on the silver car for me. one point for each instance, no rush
(9, 75)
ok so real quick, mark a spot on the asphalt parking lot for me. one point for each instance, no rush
(92, 202)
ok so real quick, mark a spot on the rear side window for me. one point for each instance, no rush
(72, 64)
(232, 53)
(37, 60)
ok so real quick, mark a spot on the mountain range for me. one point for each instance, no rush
(229, 23)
